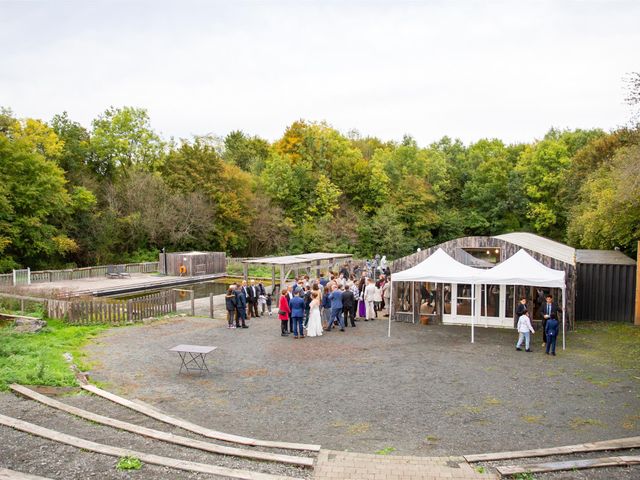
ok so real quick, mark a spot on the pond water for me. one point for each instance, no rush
(201, 289)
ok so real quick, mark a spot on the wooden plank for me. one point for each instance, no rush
(124, 452)
(6, 474)
(159, 435)
(617, 444)
(570, 465)
(192, 427)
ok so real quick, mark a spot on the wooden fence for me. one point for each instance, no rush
(113, 311)
(44, 276)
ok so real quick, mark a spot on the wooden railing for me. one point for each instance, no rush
(113, 311)
(45, 276)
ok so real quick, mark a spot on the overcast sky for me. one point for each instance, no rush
(465, 69)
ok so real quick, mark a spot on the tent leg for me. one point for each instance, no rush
(564, 308)
(413, 300)
(390, 307)
(473, 313)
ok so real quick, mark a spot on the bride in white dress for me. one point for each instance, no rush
(314, 327)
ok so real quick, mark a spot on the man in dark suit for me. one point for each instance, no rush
(548, 310)
(348, 300)
(520, 309)
(253, 299)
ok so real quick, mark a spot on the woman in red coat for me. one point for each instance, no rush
(283, 312)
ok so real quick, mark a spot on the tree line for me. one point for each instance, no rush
(118, 192)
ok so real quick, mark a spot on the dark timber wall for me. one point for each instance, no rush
(507, 249)
(606, 292)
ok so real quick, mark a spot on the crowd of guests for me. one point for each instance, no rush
(308, 307)
(244, 301)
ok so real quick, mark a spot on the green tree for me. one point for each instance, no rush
(34, 202)
(248, 153)
(608, 212)
(197, 167)
(122, 138)
(542, 168)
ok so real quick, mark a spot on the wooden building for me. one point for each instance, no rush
(600, 285)
(191, 264)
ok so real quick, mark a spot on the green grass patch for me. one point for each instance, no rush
(385, 451)
(129, 463)
(578, 422)
(534, 419)
(235, 268)
(37, 358)
(524, 476)
(613, 343)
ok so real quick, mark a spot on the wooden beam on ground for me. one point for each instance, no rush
(152, 459)
(192, 427)
(162, 436)
(602, 462)
(617, 444)
(6, 474)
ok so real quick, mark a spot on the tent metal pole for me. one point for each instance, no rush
(564, 303)
(473, 312)
(413, 300)
(390, 306)
(486, 307)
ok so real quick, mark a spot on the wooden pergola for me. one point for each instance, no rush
(295, 263)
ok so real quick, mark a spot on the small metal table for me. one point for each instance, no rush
(193, 357)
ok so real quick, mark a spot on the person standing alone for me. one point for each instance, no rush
(547, 310)
(524, 331)
(369, 297)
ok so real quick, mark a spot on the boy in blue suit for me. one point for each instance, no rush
(297, 315)
(551, 333)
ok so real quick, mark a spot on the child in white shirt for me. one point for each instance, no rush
(524, 331)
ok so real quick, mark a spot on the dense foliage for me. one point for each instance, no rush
(119, 192)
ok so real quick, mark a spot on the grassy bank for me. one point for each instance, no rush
(37, 358)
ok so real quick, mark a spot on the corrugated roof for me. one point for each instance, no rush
(607, 257)
(542, 245)
(296, 259)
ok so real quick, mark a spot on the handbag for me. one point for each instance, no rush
(282, 312)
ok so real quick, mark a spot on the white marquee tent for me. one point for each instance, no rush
(519, 269)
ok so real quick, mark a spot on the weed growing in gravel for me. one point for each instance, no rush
(532, 418)
(386, 451)
(37, 358)
(358, 428)
(524, 476)
(579, 422)
(481, 469)
(129, 463)
(431, 438)
(492, 401)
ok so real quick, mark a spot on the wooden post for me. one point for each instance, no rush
(211, 304)
(273, 279)
(282, 277)
(129, 311)
(192, 296)
(637, 320)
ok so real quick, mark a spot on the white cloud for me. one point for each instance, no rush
(465, 69)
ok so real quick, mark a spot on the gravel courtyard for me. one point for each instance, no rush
(425, 391)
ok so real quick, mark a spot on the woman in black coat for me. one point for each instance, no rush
(230, 303)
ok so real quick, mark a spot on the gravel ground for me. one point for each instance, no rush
(425, 391)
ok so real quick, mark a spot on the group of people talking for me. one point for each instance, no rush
(550, 325)
(309, 307)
